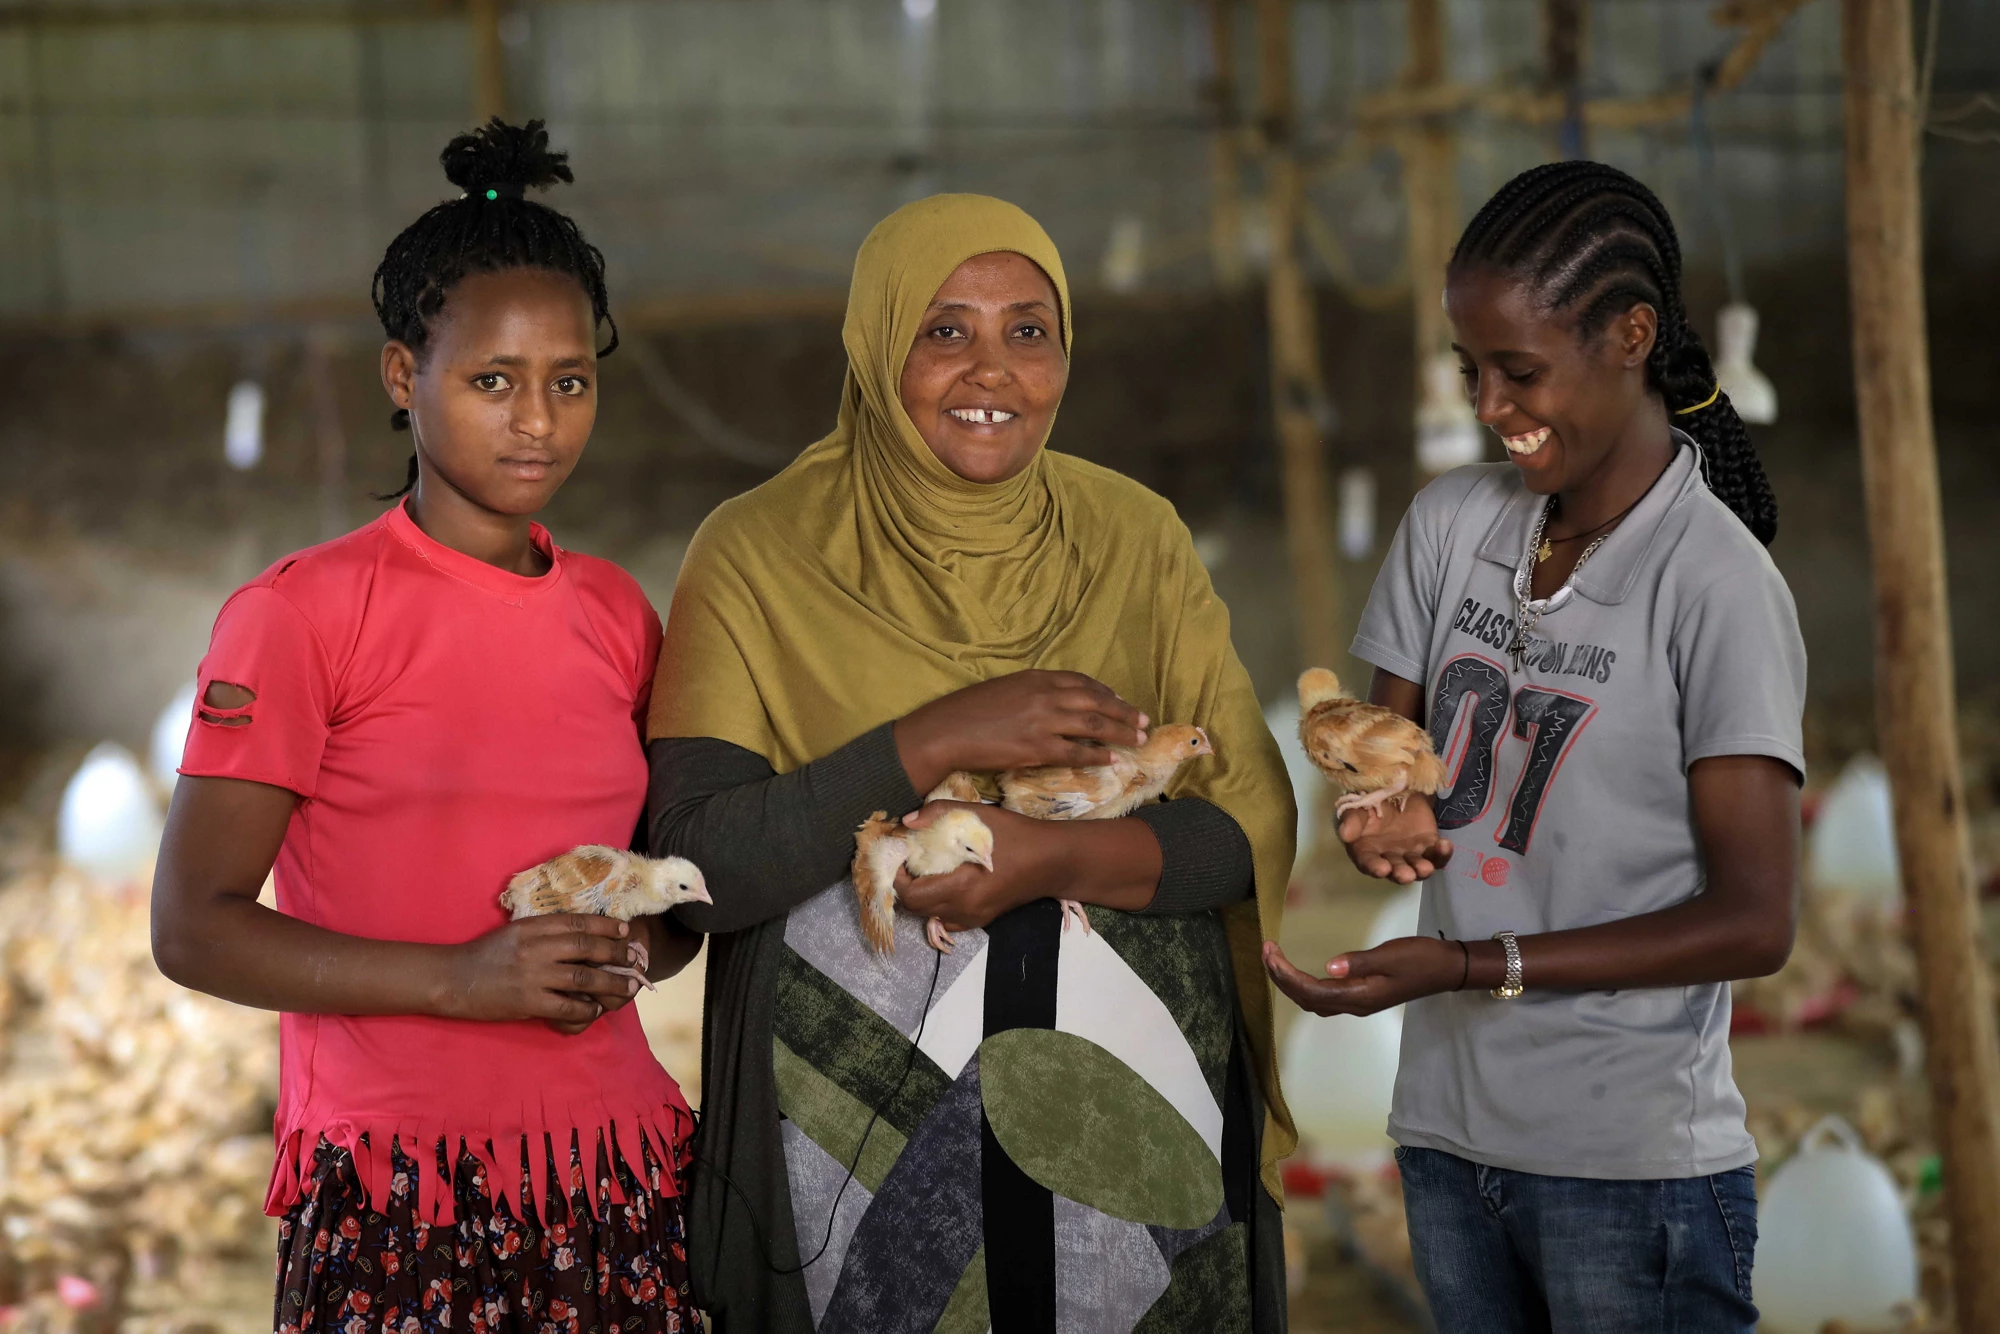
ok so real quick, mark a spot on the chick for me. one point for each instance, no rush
(610, 883)
(1372, 754)
(882, 846)
(1134, 777)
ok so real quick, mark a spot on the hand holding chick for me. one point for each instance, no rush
(882, 847)
(1135, 776)
(606, 882)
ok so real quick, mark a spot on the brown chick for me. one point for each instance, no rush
(883, 846)
(1134, 777)
(1372, 754)
(608, 882)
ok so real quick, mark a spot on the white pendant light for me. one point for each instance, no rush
(170, 732)
(1750, 390)
(1854, 838)
(1357, 513)
(1834, 1244)
(1124, 266)
(243, 426)
(1448, 434)
(108, 823)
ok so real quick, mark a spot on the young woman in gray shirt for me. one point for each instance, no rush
(1610, 666)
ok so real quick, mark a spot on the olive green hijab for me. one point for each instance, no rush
(868, 579)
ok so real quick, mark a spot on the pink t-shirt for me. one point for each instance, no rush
(446, 724)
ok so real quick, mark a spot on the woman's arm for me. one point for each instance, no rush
(1746, 815)
(766, 842)
(211, 934)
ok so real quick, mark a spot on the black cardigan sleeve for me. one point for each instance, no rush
(767, 842)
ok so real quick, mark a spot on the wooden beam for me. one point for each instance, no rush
(1225, 218)
(1562, 58)
(1914, 687)
(1298, 396)
(489, 60)
(1430, 190)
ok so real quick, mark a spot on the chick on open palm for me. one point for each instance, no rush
(1372, 754)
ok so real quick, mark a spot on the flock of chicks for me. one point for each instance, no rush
(1371, 754)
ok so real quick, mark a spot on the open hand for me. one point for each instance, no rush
(1399, 845)
(1027, 861)
(548, 968)
(1366, 981)
(1013, 722)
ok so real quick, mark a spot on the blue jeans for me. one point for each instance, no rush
(1502, 1252)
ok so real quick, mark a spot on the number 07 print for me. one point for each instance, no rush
(1467, 718)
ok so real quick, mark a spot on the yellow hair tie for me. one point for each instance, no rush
(1713, 395)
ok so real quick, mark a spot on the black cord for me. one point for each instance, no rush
(833, 1214)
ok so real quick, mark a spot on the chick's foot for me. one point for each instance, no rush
(634, 973)
(1070, 907)
(1373, 802)
(939, 938)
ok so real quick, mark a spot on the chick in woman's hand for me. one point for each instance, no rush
(606, 882)
(1372, 754)
(1135, 776)
(883, 846)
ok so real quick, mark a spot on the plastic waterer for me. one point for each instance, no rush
(1833, 1240)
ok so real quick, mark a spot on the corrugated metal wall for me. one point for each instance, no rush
(170, 165)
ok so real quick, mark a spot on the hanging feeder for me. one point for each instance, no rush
(1448, 434)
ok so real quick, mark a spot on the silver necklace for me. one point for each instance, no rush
(1528, 612)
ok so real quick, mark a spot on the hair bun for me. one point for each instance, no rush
(498, 154)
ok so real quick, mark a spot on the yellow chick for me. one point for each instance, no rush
(1135, 776)
(882, 846)
(608, 882)
(1372, 754)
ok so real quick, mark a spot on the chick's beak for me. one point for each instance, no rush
(698, 893)
(1204, 746)
(987, 861)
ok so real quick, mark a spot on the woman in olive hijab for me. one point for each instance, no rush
(1044, 1128)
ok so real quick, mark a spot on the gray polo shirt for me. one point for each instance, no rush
(1568, 804)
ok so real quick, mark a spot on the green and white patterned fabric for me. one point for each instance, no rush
(1050, 1147)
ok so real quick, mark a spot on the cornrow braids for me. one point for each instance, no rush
(492, 226)
(1589, 238)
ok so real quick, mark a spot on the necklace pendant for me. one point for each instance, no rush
(1543, 552)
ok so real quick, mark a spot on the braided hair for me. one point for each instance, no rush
(1587, 237)
(492, 226)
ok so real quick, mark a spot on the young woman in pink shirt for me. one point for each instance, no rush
(471, 1130)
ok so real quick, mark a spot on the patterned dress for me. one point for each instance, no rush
(568, 1269)
(1044, 1130)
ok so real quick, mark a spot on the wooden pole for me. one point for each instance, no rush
(1298, 398)
(1430, 189)
(489, 60)
(1225, 221)
(1913, 670)
(1562, 49)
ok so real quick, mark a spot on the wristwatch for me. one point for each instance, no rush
(1510, 985)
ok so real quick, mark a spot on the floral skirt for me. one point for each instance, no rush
(506, 1268)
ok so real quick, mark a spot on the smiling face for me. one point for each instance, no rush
(504, 393)
(1562, 402)
(987, 369)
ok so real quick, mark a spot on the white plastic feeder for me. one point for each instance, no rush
(1854, 839)
(1833, 1240)
(109, 824)
(170, 732)
(1750, 391)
